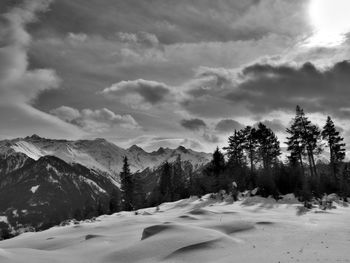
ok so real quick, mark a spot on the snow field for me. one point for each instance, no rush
(194, 230)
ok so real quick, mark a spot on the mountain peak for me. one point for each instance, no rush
(100, 140)
(135, 148)
(182, 149)
(99, 154)
(34, 137)
(161, 150)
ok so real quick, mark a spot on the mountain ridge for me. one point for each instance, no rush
(99, 153)
(51, 191)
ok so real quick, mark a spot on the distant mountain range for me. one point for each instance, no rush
(100, 154)
(45, 181)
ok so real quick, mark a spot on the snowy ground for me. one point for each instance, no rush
(192, 230)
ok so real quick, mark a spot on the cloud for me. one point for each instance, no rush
(265, 88)
(228, 125)
(19, 85)
(138, 91)
(193, 124)
(67, 114)
(183, 21)
(222, 76)
(211, 138)
(98, 120)
(77, 37)
(140, 39)
(166, 63)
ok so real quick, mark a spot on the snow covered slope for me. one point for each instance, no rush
(193, 230)
(99, 153)
(45, 192)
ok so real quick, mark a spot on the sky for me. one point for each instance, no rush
(168, 73)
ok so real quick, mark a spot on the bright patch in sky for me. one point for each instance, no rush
(331, 21)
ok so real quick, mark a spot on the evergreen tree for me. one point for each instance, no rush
(235, 149)
(268, 152)
(216, 169)
(90, 210)
(78, 214)
(139, 195)
(178, 179)
(304, 139)
(268, 146)
(345, 182)
(127, 186)
(250, 146)
(190, 187)
(100, 208)
(165, 184)
(217, 163)
(115, 201)
(213, 178)
(336, 147)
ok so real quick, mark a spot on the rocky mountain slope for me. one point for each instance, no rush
(44, 182)
(100, 154)
(36, 194)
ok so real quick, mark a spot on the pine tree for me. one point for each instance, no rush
(165, 183)
(217, 167)
(114, 201)
(336, 147)
(268, 151)
(178, 179)
(214, 177)
(139, 195)
(188, 169)
(218, 162)
(127, 186)
(100, 208)
(235, 149)
(304, 140)
(250, 145)
(268, 146)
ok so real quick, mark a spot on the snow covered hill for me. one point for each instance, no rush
(99, 153)
(194, 230)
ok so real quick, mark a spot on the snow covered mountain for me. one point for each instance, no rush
(45, 181)
(37, 194)
(100, 154)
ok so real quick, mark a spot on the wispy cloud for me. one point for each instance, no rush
(19, 85)
(95, 121)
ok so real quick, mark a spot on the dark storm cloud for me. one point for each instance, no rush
(178, 21)
(193, 124)
(91, 44)
(228, 125)
(267, 87)
(102, 42)
(260, 89)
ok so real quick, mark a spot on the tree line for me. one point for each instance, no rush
(252, 160)
(173, 182)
